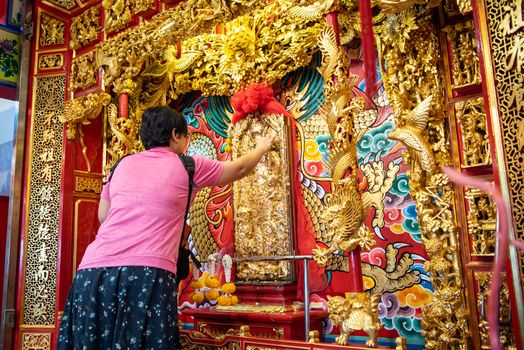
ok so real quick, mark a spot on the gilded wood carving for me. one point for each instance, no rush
(84, 72)
(408, 45)
(51, 30)
(85, 28)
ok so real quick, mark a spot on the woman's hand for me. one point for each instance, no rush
(244, 165)
(265, 142)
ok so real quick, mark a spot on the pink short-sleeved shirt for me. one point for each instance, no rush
(148, 195)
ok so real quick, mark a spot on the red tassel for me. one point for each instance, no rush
(368, 45)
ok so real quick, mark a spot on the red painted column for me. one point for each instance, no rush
(368, 45)
(355, 282)
(124, 105)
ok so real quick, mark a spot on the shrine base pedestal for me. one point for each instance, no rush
(260, 294)
(282, 325)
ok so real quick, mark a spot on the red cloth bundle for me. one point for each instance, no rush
(256, 97)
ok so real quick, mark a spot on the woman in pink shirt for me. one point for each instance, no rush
(124, 295)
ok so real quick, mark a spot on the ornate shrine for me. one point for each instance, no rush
(348, 234)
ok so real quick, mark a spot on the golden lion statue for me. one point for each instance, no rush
(355, 311)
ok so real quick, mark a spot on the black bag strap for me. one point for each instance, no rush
(189, 165)
(112, 169)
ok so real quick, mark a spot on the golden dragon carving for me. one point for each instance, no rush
(346, 212)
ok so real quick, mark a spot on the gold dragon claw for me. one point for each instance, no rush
(321, 255)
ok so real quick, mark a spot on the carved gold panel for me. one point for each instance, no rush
(51, 61)
(84, 72)
(41, 251)
(143, 5)
(506, 28)
(412, 74)
(51, 30)
(117, 14)
(62, 4)
(465, 64)
(225, 67)
(464, 6)
(88, 184)
(455, 7)
(36, 341)
(507, 338)
(213, 331)
(85, 28)
(262, 213)
(451, 7)
(190, 344)
(471, 117)
(482, 222)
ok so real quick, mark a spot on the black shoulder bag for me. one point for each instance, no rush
(182, 264)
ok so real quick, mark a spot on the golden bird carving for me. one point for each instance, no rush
(327, 42)
(312, 12)
(173, 64)
(409, 131)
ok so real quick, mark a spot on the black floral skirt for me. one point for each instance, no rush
(121, 308)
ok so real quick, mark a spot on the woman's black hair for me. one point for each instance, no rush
(158, 124)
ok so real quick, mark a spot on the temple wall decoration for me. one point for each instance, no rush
(142, 6)
(418, 104)
(63, 4)
(211, 215)
(471, 117)
(193, 57)
(117, 15)
(482, 222)
(465, 61)
(36, 341)
(464, 6)
(41, 259)
(80, 111)
(300, 91)
(85, 28)
(84, 72)
(506, 335)
(52, 31)
(51, 61)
